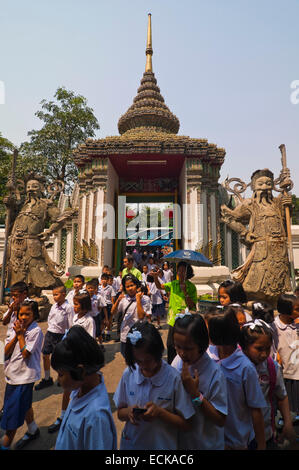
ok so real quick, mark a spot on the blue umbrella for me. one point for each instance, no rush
(188, 256)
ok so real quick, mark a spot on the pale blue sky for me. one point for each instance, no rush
(225, 68)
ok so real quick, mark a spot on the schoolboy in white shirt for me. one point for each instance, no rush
(60, 319)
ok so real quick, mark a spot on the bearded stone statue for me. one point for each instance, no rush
(261, 225)
(27, 257)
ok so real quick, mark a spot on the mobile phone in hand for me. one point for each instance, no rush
(139, 411)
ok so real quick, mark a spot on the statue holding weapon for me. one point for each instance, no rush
(27, 256)
(262, 222)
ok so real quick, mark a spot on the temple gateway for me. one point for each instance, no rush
(149, 163)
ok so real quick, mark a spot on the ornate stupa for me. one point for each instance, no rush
(149, 159)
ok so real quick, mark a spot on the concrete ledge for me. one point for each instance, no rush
(86, 271)
(207, 280)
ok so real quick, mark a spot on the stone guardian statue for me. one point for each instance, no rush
(260, 222)
(35, 220)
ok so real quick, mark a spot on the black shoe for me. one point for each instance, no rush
(44, 384)
(55, 426)
(26, 439)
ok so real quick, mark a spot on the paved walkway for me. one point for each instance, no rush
(47, 402)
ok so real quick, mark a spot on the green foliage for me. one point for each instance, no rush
(67, 122)
(295, 213)
(6, 150)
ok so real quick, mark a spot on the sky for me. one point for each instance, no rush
(225, 68)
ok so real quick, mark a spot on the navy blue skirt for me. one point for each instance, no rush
(17, 401)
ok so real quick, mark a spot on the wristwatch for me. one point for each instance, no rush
(198, 400)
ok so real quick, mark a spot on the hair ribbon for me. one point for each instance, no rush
(257, 322)
(182, 315)
(257, 305)
(134, 337)
(65, 334)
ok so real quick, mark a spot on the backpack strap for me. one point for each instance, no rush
(272, 377)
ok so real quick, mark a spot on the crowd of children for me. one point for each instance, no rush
(233, 384)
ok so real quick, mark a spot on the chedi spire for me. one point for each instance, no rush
(148, 110)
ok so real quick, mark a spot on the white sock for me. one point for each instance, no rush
(47, 374)
(32, 427)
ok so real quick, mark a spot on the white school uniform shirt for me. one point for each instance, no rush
(18, 370)
(156, 296)
(205, 434)
(168, 275)
(243, 392)
(60, 318)
(107, 293)
(131, 315)
(288, 348)
(10, 325)
(97, 303)
(116, 283)
(88, 423)
(87, 322)
(166, 390)
(70, 297)
(279, 392)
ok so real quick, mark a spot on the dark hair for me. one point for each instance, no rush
(144, 288)
(77, 348)
(79, 276)
(19, 287)
(105, 276)
(61, 288)
(285, 303)
(224, 328)
(34, 307)
(249, 336)
(195, 327)
(151, 341)
(93, 282)
(84, 301)
(234, 290)
(212, 311)
(150, 278)
(110, 276)
(132, 278)
(129, 258)
(262, 311)
(189, 269)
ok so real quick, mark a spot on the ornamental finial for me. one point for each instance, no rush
(149, 49)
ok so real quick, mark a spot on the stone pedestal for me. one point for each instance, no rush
(87, 271)
(207, 280)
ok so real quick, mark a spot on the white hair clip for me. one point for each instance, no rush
(134, 336)
(182, 315)
(256, 322)
(257, 305)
